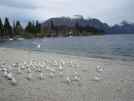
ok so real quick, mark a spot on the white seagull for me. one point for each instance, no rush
(13, 81)
(38, 46)
(29, 77)
(99, 69)
(41, 77)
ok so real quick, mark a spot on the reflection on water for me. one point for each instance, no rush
(107, 46)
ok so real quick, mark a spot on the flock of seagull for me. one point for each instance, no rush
(32, 67)
(8, 71)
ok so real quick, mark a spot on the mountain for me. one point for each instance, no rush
(123, 28)
(71, 22)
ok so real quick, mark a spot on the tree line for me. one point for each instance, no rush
(35, 29)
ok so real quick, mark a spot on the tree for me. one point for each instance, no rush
(38, 27)
(29, 27)
(7, 28)
(1, 28)
(17, 28)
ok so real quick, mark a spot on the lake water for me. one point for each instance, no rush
(106, 46)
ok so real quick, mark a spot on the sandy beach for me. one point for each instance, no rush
(54, 77)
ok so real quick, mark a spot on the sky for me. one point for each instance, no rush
(109, 11)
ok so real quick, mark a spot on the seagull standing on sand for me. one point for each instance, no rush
(29, 70)
(97, 77)
(13, 81)
(9, 76)
(60, 67)
(51, 75)
(41, 77)
(62, 62)
(19, 70)
(68, 80)
(29, 77)
(99, 69)
(76, 76)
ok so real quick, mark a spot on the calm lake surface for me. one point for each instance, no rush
(107, 46)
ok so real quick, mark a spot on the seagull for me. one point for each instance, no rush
(4, 69)
(5, 74)
(60, 73)
(62, 62)
(38, 46)
(19, 70)
(55, 63)
(41, 77)
(60, 68)
(15, 65)
(76, 78)
(10, 39)
(51, 75)
(13, 81)
(99, 69)
(97, 77)
(76, 73)
(39, 69)
(50, 69)
(29, 70)
(68, 80)
(29, 77)
(9, 76)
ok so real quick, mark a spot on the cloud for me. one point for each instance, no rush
(111, 11)
(18, 4)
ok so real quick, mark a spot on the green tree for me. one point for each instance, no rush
(29, 27)
(1, 28)
(18, 28)
(30, 30)
(7, 28)
(38, 27)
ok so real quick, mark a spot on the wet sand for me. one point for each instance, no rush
(115, 83)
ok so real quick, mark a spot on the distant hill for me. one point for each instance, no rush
(71, 22)
(122, 28)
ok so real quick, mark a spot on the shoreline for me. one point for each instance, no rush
(77, 80)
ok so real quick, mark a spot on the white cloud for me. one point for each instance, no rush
(111, 11)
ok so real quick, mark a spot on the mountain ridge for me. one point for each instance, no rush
(123, 28)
